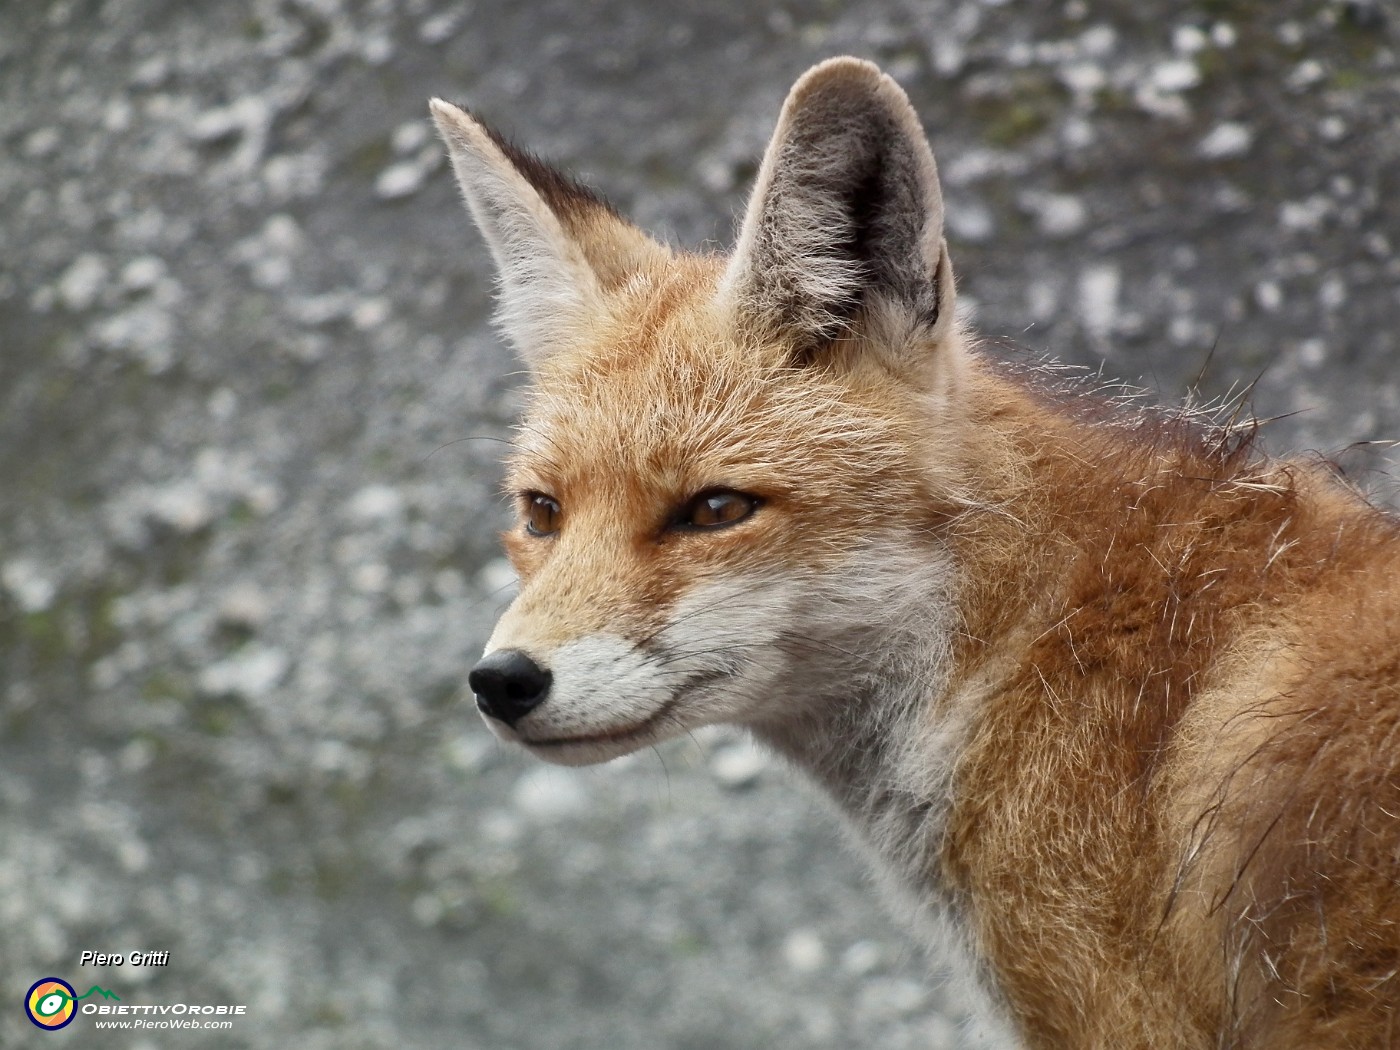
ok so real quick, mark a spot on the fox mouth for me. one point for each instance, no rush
(611, 736)
(637, 731)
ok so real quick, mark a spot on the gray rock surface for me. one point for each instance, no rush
(250, 414)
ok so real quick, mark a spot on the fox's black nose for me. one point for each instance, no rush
(508, 684)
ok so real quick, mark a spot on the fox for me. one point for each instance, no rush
(1109, 697)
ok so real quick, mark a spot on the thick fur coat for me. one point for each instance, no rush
(1112, 701)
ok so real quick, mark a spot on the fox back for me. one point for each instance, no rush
(1111, 700)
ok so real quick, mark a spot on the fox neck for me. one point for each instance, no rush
(871, 739)
(884, 748)
(883, 740)
(940, 644)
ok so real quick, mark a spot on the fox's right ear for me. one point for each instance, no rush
(844, 232)
(559, 248)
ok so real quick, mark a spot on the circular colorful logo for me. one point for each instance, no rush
(49, 1003)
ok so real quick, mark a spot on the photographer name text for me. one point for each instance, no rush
(88, 958)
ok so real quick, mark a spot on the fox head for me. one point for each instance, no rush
(735, 476)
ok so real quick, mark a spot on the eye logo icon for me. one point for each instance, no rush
(50, 1003)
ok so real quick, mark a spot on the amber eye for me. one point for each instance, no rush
(711, 510)
(542, 514)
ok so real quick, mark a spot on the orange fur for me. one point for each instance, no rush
(1112, 700)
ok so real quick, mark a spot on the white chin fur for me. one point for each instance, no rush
(607, 699)
(610, 697)
(591, 752)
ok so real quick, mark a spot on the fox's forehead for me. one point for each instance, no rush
(668, 391)
(658, 372)
(674, 423)
(670, 413)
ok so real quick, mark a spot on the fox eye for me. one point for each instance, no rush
(542, 514)
(712, 510)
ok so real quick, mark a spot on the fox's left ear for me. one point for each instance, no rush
(559, 248)
(844, 232)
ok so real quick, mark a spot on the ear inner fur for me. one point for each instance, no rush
(846, 220)
(615, 249)
(560, 249)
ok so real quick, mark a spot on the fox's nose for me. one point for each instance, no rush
(508, 684)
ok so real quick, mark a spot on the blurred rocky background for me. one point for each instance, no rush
(249, 411)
